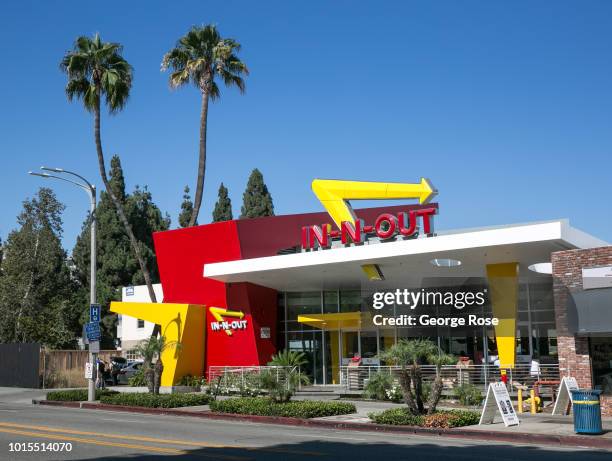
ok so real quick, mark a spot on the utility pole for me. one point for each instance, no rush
(94, 346)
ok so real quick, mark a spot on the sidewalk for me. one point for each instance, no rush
(542, 423)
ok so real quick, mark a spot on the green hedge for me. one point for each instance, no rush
(77, 395)
(297, 409)
(397, 417)
(443, 419)
(156, 401)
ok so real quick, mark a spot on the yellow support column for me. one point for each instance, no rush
(503, 292)
(520, 401)
(180, 323)
(335, 354)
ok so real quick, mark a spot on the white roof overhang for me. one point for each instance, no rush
(407, 262)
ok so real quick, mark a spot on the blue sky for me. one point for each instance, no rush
(506, 106)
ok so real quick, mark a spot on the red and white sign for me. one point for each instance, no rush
(387, 227)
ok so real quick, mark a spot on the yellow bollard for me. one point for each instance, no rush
(520, 400)
(532, 401)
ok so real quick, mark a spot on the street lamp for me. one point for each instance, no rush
(91, 191)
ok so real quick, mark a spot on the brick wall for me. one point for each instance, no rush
(574, 359)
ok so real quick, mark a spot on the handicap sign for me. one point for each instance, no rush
(94, 313)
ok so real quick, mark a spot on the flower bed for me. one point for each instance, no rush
(440, 419)
(296, 409)
(156, 401)
(76, 395)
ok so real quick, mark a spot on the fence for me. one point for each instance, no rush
(19, 365)
(238, 379)
(66, 368)
(355, 378)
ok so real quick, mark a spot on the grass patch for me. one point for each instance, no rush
(77, 395)
(262, 406)
(156, 401)
(440, 419)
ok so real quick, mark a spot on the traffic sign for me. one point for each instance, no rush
(94, 313)
(94, 347)
(93, 331)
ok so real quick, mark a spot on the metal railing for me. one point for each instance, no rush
(355, 378)
(239, 378)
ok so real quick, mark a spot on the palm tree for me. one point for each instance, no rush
(283, 381)
(437, 358)
(409, 354)
(96, 69)
(152, 349)
(200, 56)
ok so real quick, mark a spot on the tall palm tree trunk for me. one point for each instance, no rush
(197, 202)
(120, 211)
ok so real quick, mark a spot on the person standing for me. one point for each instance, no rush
(101, 371)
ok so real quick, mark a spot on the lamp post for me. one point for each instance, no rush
(91, 191)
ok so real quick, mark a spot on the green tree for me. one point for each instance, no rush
(96, 69)
(36, 303)
(282, 381)
(186, 209)
(257, 200)
(198, 57)
(116, 263)
(223, 207)
(151, 351)
(408, 355)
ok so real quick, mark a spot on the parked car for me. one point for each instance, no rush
(128, 371)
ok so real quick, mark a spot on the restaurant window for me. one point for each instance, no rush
(601, 356)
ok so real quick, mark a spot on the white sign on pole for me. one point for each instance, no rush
(498, 399)
(564, 397)
(88, 370)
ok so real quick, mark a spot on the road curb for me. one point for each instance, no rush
(524, 437)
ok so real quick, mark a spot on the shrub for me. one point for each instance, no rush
(397, 417)
(191, 381)
(379, 385)
(441, 419)
(64, 378)
(77, 395)
(468, 394)
(156, 400)
(296, 409)
(452, 418)
(395, 394)
(138, 379)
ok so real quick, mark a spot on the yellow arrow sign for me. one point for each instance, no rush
(334, 194)
(219, 313)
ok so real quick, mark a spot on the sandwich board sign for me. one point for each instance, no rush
(564, 397)
(498, 399)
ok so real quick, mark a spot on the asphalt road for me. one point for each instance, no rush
(106, 435)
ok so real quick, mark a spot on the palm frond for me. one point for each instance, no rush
(96, 68)
(202, 53)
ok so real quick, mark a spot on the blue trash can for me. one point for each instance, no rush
(587, 412)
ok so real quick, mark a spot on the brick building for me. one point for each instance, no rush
(582, 286)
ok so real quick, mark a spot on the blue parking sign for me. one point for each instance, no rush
(92, 330)
(94, 312)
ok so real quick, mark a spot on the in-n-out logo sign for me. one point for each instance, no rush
(335, 195)
(221, 323)
(387, 226)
